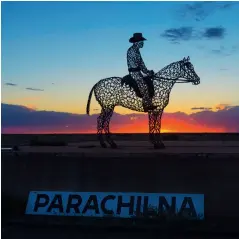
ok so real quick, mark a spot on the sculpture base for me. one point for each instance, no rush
(187, 168)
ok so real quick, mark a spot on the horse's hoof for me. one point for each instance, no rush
(159, 146)
(114, 146)
(103, 145)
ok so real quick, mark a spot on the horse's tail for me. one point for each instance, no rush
(89, 99)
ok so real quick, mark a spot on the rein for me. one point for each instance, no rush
(177, 80)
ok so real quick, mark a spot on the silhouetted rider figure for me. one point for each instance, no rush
(136, 65)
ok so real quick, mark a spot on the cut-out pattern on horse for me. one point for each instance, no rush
(118, 91)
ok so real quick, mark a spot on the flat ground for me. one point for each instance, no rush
(140, 147)
(9, 139)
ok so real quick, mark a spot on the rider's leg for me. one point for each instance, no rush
(147, 101)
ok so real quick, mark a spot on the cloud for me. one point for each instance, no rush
(175, 35)
(224, 106)
(220, 51)
(178, 34)
(214, 33)
(199, 11)
(133, 118)
(201, 108)
(10, 84)
(228, 5)
(34, 89)
(217, 107)
(20, 119)
(224, 51)
(227, 117)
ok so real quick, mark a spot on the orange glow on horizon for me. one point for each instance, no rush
(129, 124)
(139, 127)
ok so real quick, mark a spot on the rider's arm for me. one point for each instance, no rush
(142, 65)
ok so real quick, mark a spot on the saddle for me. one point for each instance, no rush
(128, 80)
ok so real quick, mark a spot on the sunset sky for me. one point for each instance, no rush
(54, 52)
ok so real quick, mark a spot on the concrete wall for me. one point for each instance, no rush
(10, 139)
(216, 178)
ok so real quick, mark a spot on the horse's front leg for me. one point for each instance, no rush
(154, 129)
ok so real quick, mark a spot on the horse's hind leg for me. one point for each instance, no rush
(100, 127)
(108, 115)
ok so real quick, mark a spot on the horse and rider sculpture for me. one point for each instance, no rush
(143, 93)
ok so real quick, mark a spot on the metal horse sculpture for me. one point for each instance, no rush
(118, 91)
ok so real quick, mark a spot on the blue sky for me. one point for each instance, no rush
(64, 48)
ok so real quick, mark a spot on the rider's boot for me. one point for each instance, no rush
(149, 106)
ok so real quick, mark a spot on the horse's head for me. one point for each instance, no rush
(188, 73)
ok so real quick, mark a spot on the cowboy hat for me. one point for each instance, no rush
(136, 38)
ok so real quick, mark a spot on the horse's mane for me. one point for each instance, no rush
(168, 66)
